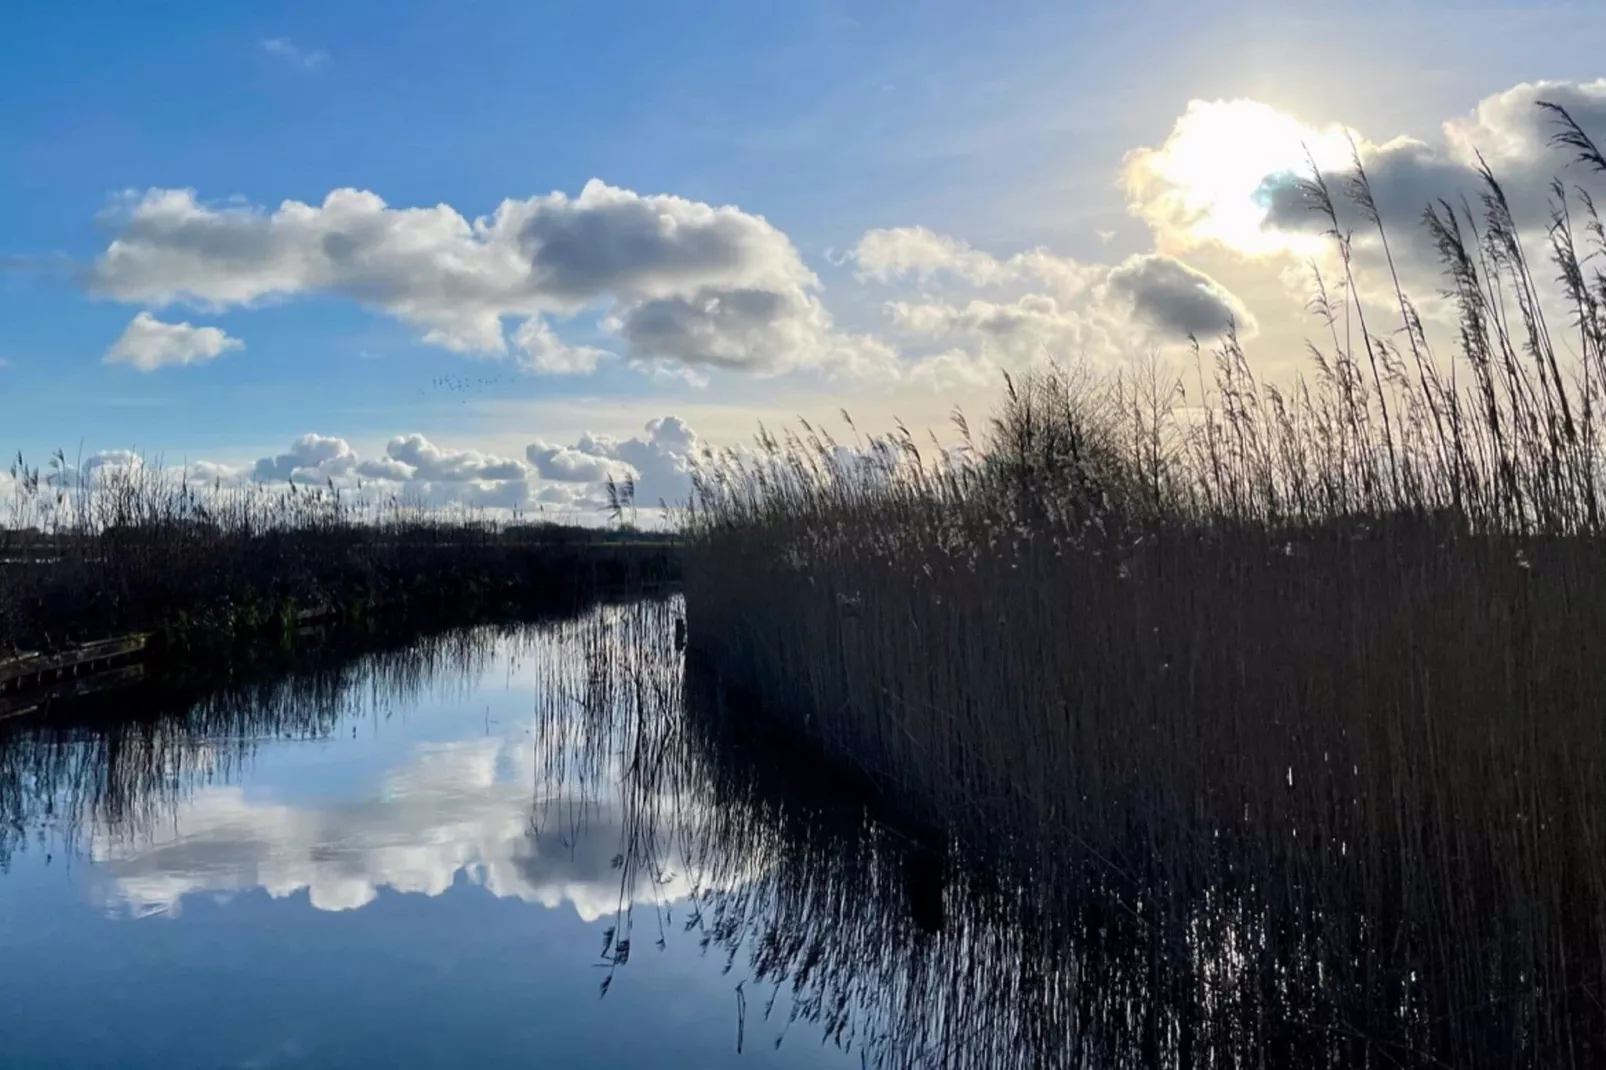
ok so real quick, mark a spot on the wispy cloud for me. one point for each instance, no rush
(307, 58)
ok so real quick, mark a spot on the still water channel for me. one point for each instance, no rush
(560, 844)
(495, 848)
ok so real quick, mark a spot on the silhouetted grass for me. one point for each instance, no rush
(1308, 677)
(140, 548)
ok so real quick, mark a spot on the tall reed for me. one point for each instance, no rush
(1329, 651)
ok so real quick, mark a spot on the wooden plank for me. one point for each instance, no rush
(73, 687)
(17, 659)
(34, 665)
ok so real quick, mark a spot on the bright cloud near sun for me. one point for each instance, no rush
(1207, 181)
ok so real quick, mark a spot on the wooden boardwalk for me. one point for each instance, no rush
(35, 700)
(29, 673)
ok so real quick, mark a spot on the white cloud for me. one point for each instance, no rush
(412, 467)
(1229, 174)
(956, 369)
(895, 252)
(660, 462)
(885, 255)
(679, 280)
(1509, 128)
(1000, 334)
(203, 474)
(147, 344)
(583, 463)
(1089, 310)
(543, 351)
(311, 458)
(979, 315)
(432, 463)
(286, 49)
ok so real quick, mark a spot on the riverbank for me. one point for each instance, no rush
(204, 589)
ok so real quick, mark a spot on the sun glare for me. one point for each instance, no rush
(1205, 184)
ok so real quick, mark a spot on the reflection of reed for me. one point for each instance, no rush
(129, 762)
(1192, 951)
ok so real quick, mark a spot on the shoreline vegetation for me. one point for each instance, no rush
(1304, 682)
(207, 571)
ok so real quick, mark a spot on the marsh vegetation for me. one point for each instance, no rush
(141, 548)
(1303, 684)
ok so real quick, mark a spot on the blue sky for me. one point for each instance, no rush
(999, 128)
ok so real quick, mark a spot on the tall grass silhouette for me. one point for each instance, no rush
(1313, 673)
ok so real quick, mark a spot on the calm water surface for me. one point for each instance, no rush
(449, 856)
(560, 845)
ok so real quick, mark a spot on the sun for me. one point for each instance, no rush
(1206, 182)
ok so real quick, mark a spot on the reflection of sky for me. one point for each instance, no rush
(371, 899)
(462, 808)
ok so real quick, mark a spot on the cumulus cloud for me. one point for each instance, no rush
(571, 477)
(412, 467)
(724, 328)
(214, 474)
(582, 463)
(1036, 305)
(1177, 300)
(1230, 172)
(1510, 131)
(659, 462)
(147, 344)
(1509, 128)
(677, 279)
(430, 462)
(311, 458)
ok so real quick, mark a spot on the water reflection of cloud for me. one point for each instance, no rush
(469, 807)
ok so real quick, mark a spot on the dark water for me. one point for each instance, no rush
(562, 845)
(435, 857)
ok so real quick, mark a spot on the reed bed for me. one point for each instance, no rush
(817, 898)
(143, 548)
(1310, 673)
(790, 882)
